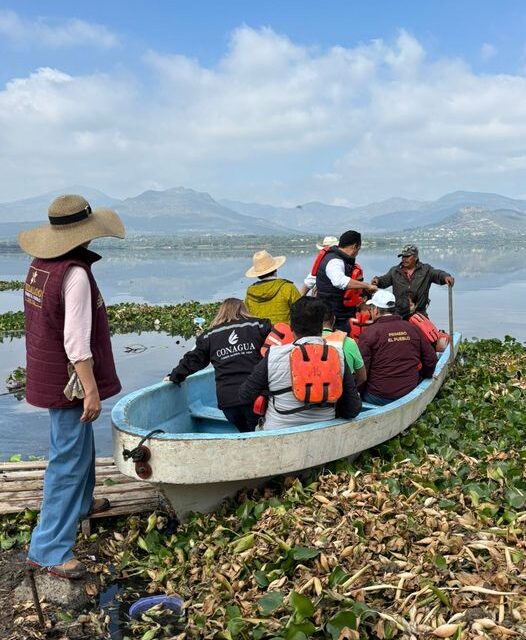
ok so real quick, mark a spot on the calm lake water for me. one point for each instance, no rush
(489, 301)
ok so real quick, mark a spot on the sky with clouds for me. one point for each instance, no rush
(279, 102)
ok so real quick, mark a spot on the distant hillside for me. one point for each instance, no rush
(394, 214)
(35, 209)
(185, 211)
(475, 224)
(312, 217)
(432, 212)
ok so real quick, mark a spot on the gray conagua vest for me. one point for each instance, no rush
(279, 378)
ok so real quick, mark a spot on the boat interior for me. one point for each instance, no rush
(190, 409)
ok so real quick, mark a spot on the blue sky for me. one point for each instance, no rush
(346, 102)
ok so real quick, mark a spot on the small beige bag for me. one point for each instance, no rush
(74, 388)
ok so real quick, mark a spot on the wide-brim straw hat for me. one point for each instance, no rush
(263, 262)
(72, 222)
(328, 241)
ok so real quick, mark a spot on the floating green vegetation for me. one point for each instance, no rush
(128, 317)
(176, 319)
(11, 285)
(422, 537)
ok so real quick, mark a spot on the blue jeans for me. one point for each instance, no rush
(378, 400)
(68, 487)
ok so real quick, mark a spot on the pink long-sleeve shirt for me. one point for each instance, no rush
(76, 292)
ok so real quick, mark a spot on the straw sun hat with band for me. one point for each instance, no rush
(263, 263)
(71, 223)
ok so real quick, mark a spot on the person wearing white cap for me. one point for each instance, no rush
(395, 354)
(270, 297)
(310, 281)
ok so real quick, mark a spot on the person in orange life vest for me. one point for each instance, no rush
(395, 353)
(270, 297)
(333, 278)
(352, 354)
(360, 321)
(273, 375)
(231, 345)
(439, 339)
(281, 333)
(67, 332)
(309, 284)
(412, 275)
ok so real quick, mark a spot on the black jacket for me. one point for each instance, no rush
(424, 276)
(327, 292)
(233, 350)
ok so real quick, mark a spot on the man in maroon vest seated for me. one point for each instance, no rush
(70, 369)
(395, 353)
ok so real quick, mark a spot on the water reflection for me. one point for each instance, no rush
(24, 428)
(489, 301)
(484, 280)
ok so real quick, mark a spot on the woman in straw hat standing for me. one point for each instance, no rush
(70, 369)
(270, 297)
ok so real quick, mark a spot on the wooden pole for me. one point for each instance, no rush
(31, 576)
(450, 311)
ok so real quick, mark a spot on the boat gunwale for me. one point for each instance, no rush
(119, 411)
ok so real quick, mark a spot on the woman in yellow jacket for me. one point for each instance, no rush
(270, 297)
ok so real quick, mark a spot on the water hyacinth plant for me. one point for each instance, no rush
(422, 537)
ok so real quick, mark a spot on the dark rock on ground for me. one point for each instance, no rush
(73, 595)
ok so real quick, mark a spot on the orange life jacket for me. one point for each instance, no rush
(317, 261)
(356, 325)
(281, 333)
(316, 376)
(351, 297)
(442, 342)
(354, 297)
(335, 338)
(260, 405)
(427, 328)
(316, 373)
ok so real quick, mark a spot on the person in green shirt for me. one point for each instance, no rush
(351, 352)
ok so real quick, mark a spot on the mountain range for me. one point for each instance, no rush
(185, 211)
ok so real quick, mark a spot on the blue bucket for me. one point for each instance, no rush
(174, 603)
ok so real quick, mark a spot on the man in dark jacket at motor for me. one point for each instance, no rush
(395, 353)
(412, 276)
(334, 278)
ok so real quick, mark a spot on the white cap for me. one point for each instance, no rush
(328, 241)
(383, 299)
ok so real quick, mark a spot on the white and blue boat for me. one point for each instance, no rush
(199, 459)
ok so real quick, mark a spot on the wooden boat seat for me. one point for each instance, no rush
(205, 412)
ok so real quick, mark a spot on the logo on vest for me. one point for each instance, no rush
(233, 338)
(35, 286)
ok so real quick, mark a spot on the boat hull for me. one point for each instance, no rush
(199, 461)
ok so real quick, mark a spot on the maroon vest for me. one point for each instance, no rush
(47, 362)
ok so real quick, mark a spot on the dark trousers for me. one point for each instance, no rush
(242, 417)
(378, 400)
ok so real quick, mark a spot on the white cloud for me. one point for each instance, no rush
(41, 33)
(272, 121)
(488, 51)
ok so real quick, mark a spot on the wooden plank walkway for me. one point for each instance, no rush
(21, 485)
